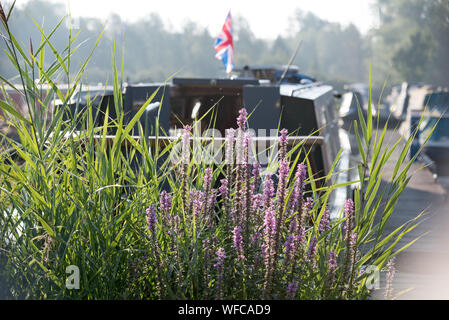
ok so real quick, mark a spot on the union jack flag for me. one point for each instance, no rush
(224, 45)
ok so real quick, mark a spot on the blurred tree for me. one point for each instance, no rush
(412, 40)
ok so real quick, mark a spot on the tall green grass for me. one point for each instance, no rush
(71, 196)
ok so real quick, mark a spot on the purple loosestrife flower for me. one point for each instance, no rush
(281, 196)
(307, 207)
(165, 201)
(238, 241)
(256, 202)
(151, 217)
(209, 196)
(351, 259)
(312, 248)
(332, 262)
(349, 239)
(349, 213)
(211, 204)
(221, 255)
(298, 189)
(268, 192)
(224, 192)
(245, 191)
(207, 180)
(353, 247)
(256, 240)
(256, 177)
(270, 223)
(289, 248)
(391, 270)
(332, 266)
(291, 289)
(219, 266)
(269, 249)
(292, 228)
(235, 216)
(283, 143)
(301, 237)
(223, 188)
(241, 119)
(301, 173)
(198, 201)
(324, 225)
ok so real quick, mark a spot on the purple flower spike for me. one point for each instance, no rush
(165, 201)
(151, 217)
(241, 119)
(221, 256)
(219, 266)
(332, 262)
(256, 169)
(291, 289)
(324, 222)
(301, 237)
(283, 138)
(289, 248)
(349, 213)
(349, 207)
(268, 191)
(270, 223)
(308, 205)
(207, 179)
(224, 187)
(238, 241)
(301, 172)
(312, 248)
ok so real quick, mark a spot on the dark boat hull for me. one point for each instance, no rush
(440, 155)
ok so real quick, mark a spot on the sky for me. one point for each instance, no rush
(267, 18)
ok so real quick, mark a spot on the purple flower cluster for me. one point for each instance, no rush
(151, 217)
(165, 201)
(325, 223)
(268, 192)
(241, 119)
(291, 289)
(238, 241)
(349, 214)
(219, 266)
(289, 248)
(272, 235)
(223, 188)
(332, 265)
(312, 248)
(221, 256)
